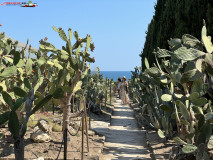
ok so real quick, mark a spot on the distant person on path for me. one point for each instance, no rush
(124, 91)
(119, 86)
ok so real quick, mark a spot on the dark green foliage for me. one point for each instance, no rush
(172, 19)
(13, 123)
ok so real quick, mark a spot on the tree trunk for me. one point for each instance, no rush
(19, 148)
(66, 102)
(66, 117)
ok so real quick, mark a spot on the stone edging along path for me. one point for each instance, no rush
(124, 140)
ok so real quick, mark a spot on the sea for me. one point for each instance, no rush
(116, 74)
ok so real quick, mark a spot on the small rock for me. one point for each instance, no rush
(44, 125)
(57, 120)
(40, 136)
(35, 129)
(91, 133)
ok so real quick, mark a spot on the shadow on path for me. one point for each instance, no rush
(123, 138)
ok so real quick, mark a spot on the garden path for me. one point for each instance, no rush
(123, 138)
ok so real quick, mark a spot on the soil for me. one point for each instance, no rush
(115, 134)
(51, 149)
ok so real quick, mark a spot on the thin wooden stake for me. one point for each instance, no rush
(105, 98)
(65, 144)
(85, 112)
(82, 149)
(89, 118)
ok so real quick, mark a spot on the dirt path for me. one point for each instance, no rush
(123, 138)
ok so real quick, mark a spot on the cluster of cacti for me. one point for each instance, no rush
(96, 87)
(30, 83)
(176, 93)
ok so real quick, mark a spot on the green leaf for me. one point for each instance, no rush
(55, 29)
(162, 53)
(8, 59)
(190, 75)
(209, 58)
(77, 87)
(189, 136)
(163, 79)
(13, 123)
(201, 122)
(197, 86)
(179, 96)
(4, 117)
(62, 35)
(19, 92)
(7, 98)
(16, 58)
(20, 64)
(171, 87)
(18, 103)
(3, 86)
(197, 110)
(201, 138)
(183, 110)
(27, 83)
(189, 148)
(166, 108)
(146, 63)
(154, 72)
(199, 102)
(8, 72)
(76, 35)
(206, 40)
(174, 42)
(207, 130)
(70, 34)
(39, 82)
(41, 103)
(198, 64)
(59, 93)
(178, 140)
(188, 54)
(166, 97)
(161, 134)
(89, 39)
(29, 66)
(194, 96)
(41, 61)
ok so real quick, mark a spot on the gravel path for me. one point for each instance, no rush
(123, 138)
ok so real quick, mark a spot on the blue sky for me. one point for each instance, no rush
(117, 27)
